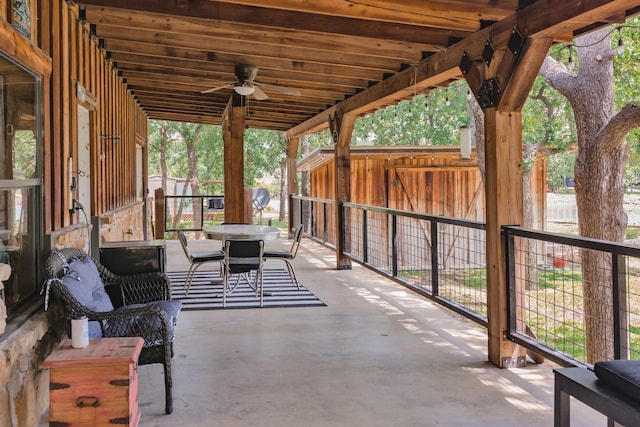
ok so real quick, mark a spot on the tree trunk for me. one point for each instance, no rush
(599, 167)
(478, 133)
(192, 161)
(529, 217)
(163, 155)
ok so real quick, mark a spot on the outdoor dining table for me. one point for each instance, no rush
(241, 232)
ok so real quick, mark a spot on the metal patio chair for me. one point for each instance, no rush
(287, 255)
(196, 259)
(242, 258)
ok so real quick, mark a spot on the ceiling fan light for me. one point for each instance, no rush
(244, 90)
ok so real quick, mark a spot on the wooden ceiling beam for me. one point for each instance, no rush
(438, 14)
(206, 83)
(234, 31)
(299, 21)
(212, 47)
(160, 52)
(203, 118)
(321, 97)
(178, 103)
(153, 91)
(266, 76)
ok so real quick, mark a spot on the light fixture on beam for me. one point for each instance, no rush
(465, 143)
(244, 89)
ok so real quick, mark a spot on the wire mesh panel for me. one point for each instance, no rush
(576, 299)
(378, 240)
(630, 325)
(462, 273)
(353, 242)
(440, 257)
(414, 248)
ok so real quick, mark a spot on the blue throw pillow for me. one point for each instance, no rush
(84, 283)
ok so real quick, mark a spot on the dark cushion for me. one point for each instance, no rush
(622, 375)
(207, 256)
(148, 326)
(276, 253)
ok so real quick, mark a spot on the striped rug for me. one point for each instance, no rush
(279, 291)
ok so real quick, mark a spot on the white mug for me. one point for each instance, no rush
(79, 332)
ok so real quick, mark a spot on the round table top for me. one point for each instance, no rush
(241, 232)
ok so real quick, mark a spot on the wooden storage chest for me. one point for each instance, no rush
(96, 385)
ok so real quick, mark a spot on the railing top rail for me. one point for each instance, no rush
(313, 199)
(581, 242)
(435, 218)
(191, 196)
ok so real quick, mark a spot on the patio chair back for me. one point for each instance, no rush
(297, 237)
(288, 255)
(196, 259)
(183, 242)
(243, 256)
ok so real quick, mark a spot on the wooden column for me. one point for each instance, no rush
(292, 175)
(503, 190)
(233, 136)
(159, 209)
(501, 82)
(341, 129)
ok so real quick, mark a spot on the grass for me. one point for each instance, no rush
(632, 232)
(551, 278)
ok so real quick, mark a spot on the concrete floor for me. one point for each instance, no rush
(376, 355)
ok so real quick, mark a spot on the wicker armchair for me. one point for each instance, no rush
(141, 307)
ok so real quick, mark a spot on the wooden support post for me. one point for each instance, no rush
(233, 136)
(500, 82)
(159, 213)
(503, 190)
(341, 129)
(292, 176)
(248, 206)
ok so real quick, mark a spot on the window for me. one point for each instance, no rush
(20, 182)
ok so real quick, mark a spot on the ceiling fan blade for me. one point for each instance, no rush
(280, 89)
(213, 89)
(259, 94)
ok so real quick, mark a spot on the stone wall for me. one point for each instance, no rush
(24, 388)
(76, 236)
(122, 224)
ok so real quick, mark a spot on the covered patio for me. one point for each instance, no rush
(376, 355)
(89, 74)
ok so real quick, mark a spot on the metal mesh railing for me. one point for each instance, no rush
(442, 258)
(576, 300)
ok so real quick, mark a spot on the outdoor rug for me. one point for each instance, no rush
(279, 291)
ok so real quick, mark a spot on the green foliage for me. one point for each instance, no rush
(547, 118)
(24, 161)
(264, 150)
(559, 167)
(425, 120)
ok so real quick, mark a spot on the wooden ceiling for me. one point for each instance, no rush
(170, 51)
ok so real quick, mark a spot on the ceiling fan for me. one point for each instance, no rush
(245, 84)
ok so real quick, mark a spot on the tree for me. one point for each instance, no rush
(598, 171)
